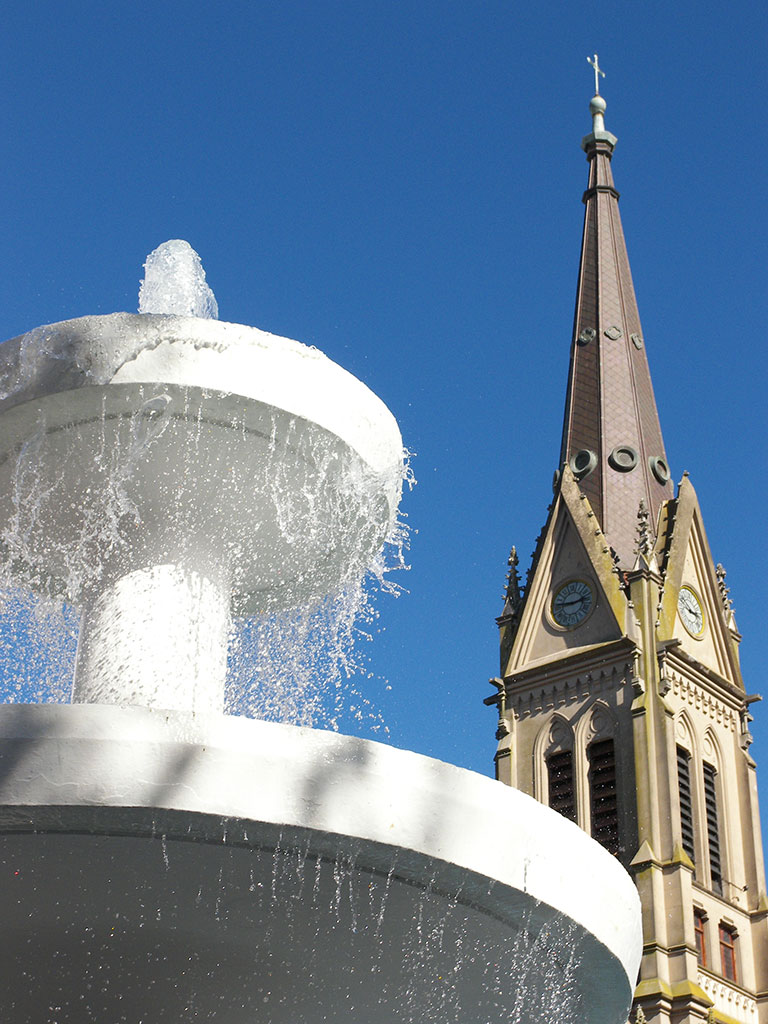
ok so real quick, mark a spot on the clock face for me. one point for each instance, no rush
(572, 603)
(690, 611)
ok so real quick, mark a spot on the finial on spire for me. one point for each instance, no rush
(512, 590)
(597, 103)
(598, 71)
(643, 531)
(724, 591)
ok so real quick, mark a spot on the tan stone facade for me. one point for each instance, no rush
(621, 702)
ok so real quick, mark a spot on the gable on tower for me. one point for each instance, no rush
(573, 598)
(693, 608)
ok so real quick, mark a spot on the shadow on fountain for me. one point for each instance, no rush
(305, 875)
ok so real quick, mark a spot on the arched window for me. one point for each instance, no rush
(555, 767)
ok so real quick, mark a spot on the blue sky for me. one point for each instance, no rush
(399, 184)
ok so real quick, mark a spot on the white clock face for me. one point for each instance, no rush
(572, 603)
(690, 611)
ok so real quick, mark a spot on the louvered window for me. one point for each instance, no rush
(713, 828)
(602, 793)
(686, 804)
(560, 778)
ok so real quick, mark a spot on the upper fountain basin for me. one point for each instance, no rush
(193, 441)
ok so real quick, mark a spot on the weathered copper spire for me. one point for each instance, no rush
(611, 435)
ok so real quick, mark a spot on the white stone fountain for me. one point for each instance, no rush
(160, 861)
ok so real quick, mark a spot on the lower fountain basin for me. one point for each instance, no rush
(161, 866)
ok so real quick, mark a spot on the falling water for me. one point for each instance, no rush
(295, 664)
(345, 914)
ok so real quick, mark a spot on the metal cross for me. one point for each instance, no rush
(598, 71)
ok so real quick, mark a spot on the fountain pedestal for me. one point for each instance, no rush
(160, 635)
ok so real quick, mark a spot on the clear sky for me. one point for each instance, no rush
(399, 184)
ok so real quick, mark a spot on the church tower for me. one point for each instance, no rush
(621, 701)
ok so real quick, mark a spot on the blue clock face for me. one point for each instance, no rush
(572, 603)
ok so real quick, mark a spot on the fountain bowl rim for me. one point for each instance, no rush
(103, 766)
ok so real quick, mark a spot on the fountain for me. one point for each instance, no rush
(162, 861)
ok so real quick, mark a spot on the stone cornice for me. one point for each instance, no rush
(698, 697)
(704, 676)
(738, 913)
(578, 661)
(548, 692)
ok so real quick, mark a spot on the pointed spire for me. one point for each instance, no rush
(512, 596)
(512, 591)
(611, 432)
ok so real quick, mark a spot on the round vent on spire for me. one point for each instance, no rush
(623, 458)
(582, 463)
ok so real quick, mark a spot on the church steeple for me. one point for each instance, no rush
(620, 698)
(611, 433)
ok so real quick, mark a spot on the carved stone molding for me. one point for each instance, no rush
(560, 736)
(697, 698)
(729, 999)
(682, 734)
(534, 700)
(601, 723)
